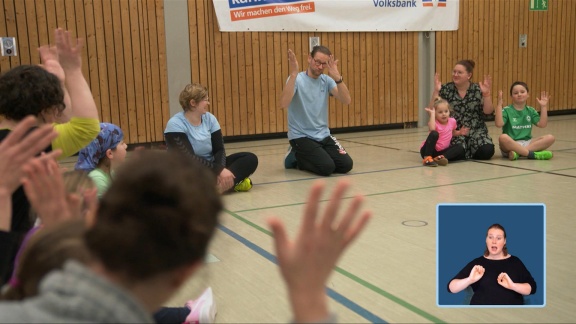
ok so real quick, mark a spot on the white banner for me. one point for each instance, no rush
(337, 15)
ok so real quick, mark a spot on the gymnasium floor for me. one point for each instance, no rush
(389, 273)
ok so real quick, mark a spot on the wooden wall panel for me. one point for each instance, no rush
(125, 60)
(246, 72)
(489, 34)
(124, 56)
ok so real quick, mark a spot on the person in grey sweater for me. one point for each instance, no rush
(151, 233)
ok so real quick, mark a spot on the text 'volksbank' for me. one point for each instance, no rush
(394, 3)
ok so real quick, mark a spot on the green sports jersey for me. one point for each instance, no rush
(518, 123)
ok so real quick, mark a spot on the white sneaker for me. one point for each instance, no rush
(202, 310)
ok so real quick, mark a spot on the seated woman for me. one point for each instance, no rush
(197, 133)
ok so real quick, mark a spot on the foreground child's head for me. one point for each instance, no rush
(106, 149)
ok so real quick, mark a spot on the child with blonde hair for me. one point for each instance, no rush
(436, 149)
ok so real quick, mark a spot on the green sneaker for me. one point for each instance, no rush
(543, 155)
(513, 156)
(243, 185)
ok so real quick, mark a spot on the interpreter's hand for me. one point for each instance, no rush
(293, 62)
(476, 273)
(307, 261)
(333, 68)
(437, 83)
(18, 148)
(225, 180)
(486, 85)
(544, 98)
(431, 111)
(44, 187)
(69, 50)
(505, 281)
(464, 131)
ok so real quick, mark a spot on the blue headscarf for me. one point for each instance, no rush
(109, 137)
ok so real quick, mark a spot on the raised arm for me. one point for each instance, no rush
(19, 147)
(307, 262)
(70, 58)
(543, 101)
(288, 91)
(498, 119)
(432, 119)
(341, 91)
(485, 87)
(436, 91)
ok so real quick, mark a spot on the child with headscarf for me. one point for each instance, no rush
(106, 152)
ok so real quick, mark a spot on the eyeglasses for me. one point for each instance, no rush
(320, 63)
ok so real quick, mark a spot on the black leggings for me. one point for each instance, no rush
(484, 152)
(323, 158)
(452, 153)
(242, 165)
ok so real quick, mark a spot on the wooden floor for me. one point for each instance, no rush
(389, 274)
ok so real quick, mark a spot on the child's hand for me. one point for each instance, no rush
(500, 100)
(431, 111)
(464, 131)
(543, 100)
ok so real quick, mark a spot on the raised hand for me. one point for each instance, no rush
(49, 61)
(69, 50)
(307, 262)
(431, 111)
(294, 69)
(500, 99)
(333, 68)
(19, 147)
(437, 83)
(486, 85)
(505, 281)
(44, 188)
(544, 98)
(476, 273)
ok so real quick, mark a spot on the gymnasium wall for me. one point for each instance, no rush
(125, 61)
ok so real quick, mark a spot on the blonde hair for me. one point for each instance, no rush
(440, 101)
(193, 91)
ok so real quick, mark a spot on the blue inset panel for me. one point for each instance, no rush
(461, 238)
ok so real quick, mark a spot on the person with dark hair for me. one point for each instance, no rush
(497, 277)
(151, 234)
(47, 92)
(470, 102)
(305, 95)
(196, 132)
(516, 121)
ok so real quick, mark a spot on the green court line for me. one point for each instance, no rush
(354, 278)
(359, 280)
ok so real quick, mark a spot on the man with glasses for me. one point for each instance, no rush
(305, 94)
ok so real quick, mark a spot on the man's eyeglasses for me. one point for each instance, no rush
(320, 63)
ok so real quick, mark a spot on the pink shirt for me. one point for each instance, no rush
(444, 134)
